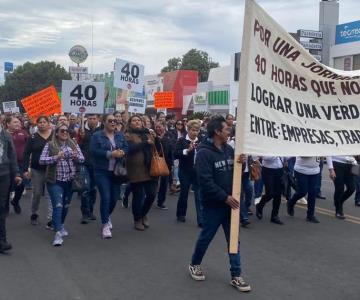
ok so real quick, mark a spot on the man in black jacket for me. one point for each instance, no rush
(214, 167)
(8, 171)
(89, 196)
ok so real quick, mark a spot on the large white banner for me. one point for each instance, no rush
(290, 104)
(82, 96)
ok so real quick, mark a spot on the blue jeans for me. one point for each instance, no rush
(212, 219)
(246, 196)
(88, 197)
(258, 188)
(60, 195)
(109, 191)
(306, 185)
(186, 181)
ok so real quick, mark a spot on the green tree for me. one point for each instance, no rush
(30, 78)
(194, 59)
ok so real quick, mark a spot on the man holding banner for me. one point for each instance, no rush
(214, 167)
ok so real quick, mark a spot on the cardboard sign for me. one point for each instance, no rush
(83, 97)
(10, 107)
(137, 105)
(164, 100)
(129, 76)
(43, 103)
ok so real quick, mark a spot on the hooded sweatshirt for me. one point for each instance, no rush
(214, 168)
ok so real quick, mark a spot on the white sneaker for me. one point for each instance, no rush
(196, 272)
(302, 201)
(257, 200)
(63, 231)
(110, 224)
(106, 233)
(57, 239)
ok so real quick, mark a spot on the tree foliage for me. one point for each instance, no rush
(30, 78)
(194, 59)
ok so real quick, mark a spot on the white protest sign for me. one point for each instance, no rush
(129, 76)
(290, 104)
(10, 107)
(137, 105)
(83, 97)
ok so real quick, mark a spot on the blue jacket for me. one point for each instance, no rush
(100, 148)
(214, 168)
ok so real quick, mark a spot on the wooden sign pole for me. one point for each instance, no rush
(235, 213)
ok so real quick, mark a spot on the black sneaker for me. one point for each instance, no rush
(340, 216)
(245, 223)
(181, 219)
(84, 220)
(49, 225)
(17, 208)
(240, 284)
(276, 220)
(196, 272)
(5, 246)
(163, 207)
(312, 219)
(34, 219)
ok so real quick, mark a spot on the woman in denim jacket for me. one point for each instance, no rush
(108, 147)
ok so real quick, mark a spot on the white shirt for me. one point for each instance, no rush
(341, 159)
(307, 165)
(272, 162)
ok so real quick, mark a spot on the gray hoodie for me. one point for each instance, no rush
(8, 163)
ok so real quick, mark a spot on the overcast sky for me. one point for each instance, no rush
(145, 31)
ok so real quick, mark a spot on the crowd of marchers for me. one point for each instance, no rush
(116, 156)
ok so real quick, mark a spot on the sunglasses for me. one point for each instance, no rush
(179, 123)
(112, 121)
(63, 130)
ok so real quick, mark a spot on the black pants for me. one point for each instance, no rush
(272, 182)
(344, 177)
(141, 205)
(4, 203)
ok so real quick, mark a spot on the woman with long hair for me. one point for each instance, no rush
(60, 156)
(108, 147)
(138, 163)
(33, 149)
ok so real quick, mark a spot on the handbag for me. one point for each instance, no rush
(158, 163)
(255, 170)
(80, 182)
(120, 171)
(355, 170)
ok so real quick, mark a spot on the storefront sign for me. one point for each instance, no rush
(347, 33)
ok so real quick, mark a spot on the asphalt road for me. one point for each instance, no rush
(295, 261)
